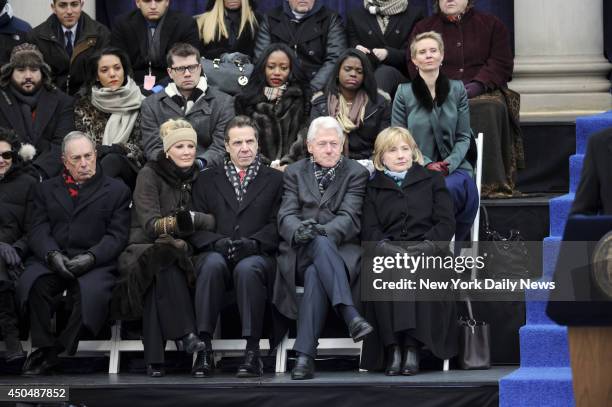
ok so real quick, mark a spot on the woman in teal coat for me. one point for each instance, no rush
(435, 110)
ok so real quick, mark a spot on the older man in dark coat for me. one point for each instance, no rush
(30, 104)
(319, 222)
(243, 195)
(80, 224)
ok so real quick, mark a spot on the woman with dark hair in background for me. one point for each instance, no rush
(155, 266)
(277, 98)
(15, 186)
(227, 26)
(479, 54)
(353, 99)
(108, 110)
(381, 29)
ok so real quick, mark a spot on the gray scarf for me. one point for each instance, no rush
(123, 104)
(155, 52)
(384, 9)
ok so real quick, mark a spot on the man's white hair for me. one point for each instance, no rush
(324, 122)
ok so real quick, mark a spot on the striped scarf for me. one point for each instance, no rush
(384, 9)
(240, 188)
(324, 176)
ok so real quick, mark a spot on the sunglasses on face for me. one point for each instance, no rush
(7, 155)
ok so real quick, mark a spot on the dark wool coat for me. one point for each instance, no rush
(69, 72)
(15, 198)
(253, 218)
(12, 33)
(421, 209)
(338, 210)
(362, 28)
(130, 33)
(361, 140)
(97, 222)
(318, 40)
(475, 49)
(158, 193)
(54, 119)
(282, 126)
(594, 194)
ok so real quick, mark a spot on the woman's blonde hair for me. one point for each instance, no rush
(211, 25)
(426, 36)
(390, 137)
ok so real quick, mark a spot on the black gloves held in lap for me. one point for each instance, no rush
(57, 262)
(308, 230)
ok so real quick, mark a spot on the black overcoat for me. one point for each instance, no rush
(15, 197)
(97, 223)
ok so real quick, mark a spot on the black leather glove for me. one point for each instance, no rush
(9, 254)
(113, 148)
(244, 248)
(203, 221)
(426, 247)
(184, 223)
(305, 232)
(384, 248)
(81, 264)
(320, 229)
(57, 262)
(223, 246)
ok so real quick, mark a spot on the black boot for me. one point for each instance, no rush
(252, 366)
(410, 362)
(9, 327)
(204, 364)
(304, 368)
(394, 360)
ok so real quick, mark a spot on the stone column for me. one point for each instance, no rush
(37, 11)
(559, 69)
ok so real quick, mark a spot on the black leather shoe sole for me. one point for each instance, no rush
(155, 371)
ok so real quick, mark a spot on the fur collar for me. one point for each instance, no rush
(421, 92)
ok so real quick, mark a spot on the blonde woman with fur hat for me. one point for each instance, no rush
(158, 256)
(15, 185)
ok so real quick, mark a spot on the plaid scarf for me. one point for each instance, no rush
(324, 176)
(273, 94)
(73, 187)
(240, 188)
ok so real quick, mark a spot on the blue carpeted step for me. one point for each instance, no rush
(585, 126)
(559, 209)
(544, 345)
(575, 168)
(537, 387)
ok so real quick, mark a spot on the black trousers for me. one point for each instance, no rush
(42, 300)
(325, 281)
(168, 313)
(249, 278)
(388, 78)
(119, 166)
(9, 322)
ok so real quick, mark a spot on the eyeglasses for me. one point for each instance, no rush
(182, 69)
(7, 155)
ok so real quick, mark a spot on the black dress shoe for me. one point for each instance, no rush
(252, 366)
(359, 328)
(304, 368)
(40, 364)
(35, 359)
(204, 364)
(156, 370)
(394, 360)
(192, 343)
(410, 362)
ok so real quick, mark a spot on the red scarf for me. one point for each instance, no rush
(71, 184)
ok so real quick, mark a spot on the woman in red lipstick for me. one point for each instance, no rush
(277, 98)
(108, 109)
(353, 98)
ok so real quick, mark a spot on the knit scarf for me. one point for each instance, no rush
(350, 117)
(186, 104)
(324, 176)
(27, 105)
(384, 9)
(273, 94)
(240, 188)
(71, 185)
(397, 177)
(123, 104)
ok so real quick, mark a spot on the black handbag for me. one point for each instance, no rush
(474, 342)
(506, 257)
(228, 73)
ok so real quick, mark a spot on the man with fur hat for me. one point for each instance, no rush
(13, 31)
(30, 104)
(67, 39)
(188, 97)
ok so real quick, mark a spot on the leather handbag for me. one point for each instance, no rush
(474, 342)
(506, 256)
(229, 73)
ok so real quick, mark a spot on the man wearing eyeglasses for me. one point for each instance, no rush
(39, 113)
(80, 224)
(67, 39)
(188, 97)
(146, 35)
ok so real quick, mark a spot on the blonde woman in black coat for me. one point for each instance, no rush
(409, 203)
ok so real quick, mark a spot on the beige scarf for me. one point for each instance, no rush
(349, 116)
(384, 9)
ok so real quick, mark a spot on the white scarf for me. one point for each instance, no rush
(124, 106)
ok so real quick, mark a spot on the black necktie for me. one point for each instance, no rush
(68, 35)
